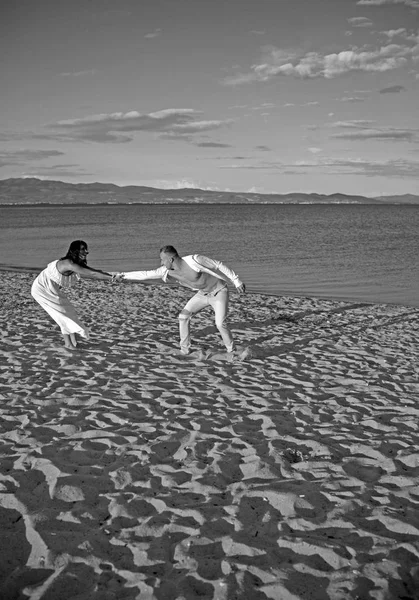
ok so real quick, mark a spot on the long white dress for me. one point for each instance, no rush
(46, 290)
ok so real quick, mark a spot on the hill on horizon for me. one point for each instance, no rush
(39, 191)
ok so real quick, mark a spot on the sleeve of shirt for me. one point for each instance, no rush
(217, 265)
(159, 273)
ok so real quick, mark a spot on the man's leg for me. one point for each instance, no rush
(220, 306)
(194, 305)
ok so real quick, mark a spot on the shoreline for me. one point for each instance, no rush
(128, 470)
(288, 294)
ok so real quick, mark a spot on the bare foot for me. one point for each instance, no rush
(70, 341)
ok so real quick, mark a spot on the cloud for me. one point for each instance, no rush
(264, 106)
(172, 123)
(79, 73)
(278, 62)
(21, 157)
(153, 34)
(178, 184)
(409, 3)
(360, 22)
(55, 171)
(374, 134)
(12, 136)
(399, 168)
(364, 131)
(391, 33)
(394, 89)
(263, 148)
(351, 99)
(315, 150)
(354, 123)
(212, 145)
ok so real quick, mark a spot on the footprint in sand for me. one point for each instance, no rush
(364, 471)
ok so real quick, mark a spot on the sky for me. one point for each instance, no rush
(269, 96)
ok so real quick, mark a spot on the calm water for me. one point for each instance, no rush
(338, 251)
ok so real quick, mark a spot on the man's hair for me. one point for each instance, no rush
(73, 252)
(169, 250)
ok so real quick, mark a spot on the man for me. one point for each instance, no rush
(200, 273)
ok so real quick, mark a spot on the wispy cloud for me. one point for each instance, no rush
(264, 106)
(351, 99)
(21, 157)
(172, 123)
(179, 184)
(364, 130)
(391, 33)
(84, 73)
(279, 62)
(400, 168)
(153, 34)
(68, 170)
(263, 148)
(410, 3)
(360, 22)
(9, 136)
(394, 89)
(212, 145)
(377, 134)
(354, 123)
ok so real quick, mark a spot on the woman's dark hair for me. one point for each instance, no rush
(73, 253)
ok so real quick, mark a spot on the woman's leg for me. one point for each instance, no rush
(68, 343)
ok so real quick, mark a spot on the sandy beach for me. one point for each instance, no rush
(128, 471)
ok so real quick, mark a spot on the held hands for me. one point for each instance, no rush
(117, 277)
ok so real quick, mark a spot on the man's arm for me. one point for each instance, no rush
(142, 275)
(217, 265)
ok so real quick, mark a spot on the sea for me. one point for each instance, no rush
(352, 252)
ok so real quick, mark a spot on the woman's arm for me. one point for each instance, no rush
(85, 271)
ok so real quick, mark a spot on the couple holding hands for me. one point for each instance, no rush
(204, 275)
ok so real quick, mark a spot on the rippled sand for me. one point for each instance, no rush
(130, 472)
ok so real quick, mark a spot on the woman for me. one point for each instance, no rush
(61, 274)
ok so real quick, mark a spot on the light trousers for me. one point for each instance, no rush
(218, 299)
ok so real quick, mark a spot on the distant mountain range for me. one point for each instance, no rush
(38, 191)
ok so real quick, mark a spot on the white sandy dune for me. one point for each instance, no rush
(128, 471)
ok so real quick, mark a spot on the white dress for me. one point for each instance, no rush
(46, 290)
